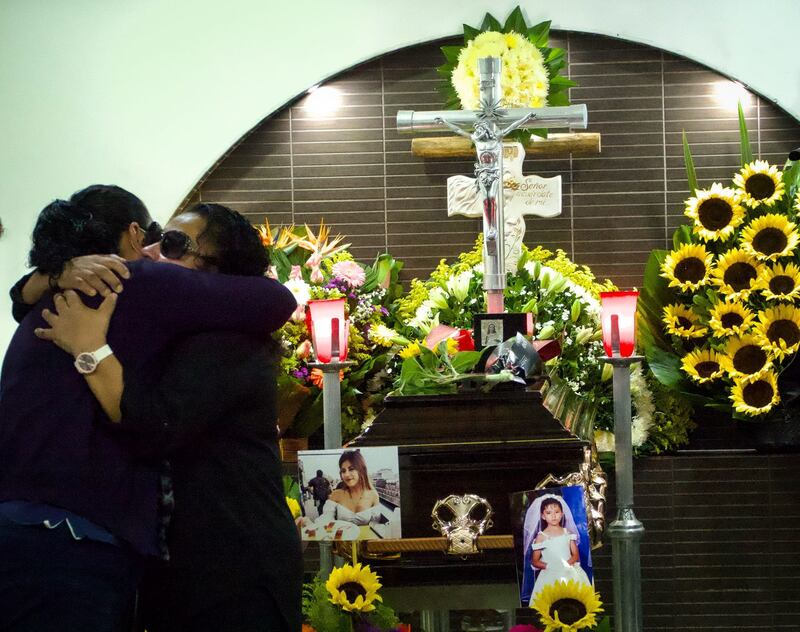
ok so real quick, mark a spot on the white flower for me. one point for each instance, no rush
(604, 440)
(382, 335)
(300, 289)
(424, 319)
(639, 431)
(458, 285)
(438, 298)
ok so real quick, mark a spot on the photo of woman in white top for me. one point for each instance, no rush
(355, 499)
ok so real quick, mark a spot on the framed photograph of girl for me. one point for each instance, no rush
(551, 538)
(349, 494)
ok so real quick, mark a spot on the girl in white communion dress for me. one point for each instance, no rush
(357, 501)
(551, 535)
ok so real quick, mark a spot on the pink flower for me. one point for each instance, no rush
(272, 272)
(303, 350)
(349, 272)
(295, 273)
(316, 275)
(299, 314)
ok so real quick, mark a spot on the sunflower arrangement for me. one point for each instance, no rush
(530, 73)
(316, 265)
(720, 312)
(567, 606)
(348, 601)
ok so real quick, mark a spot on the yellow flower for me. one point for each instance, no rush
(702, 365)
(353, 588)
(687, 268)
(728, 318)
(716, 213)
(409, 351)
(759, 183)
(452, 346)
(567, 606)
(294, 507)
(736, 274)
(382, 335)
(682, 321)
(745, 357)
(769, 237)
(780, 282)
(755, 395)
(778, 330)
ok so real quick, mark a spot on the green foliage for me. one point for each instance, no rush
(691, 174)
(747, 153)
(435, 372)
(323, 616)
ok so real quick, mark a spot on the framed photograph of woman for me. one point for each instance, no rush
(551, 538)
(350, 494)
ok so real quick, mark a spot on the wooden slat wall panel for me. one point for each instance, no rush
(358, 173)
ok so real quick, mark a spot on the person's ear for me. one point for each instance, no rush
(132, 242)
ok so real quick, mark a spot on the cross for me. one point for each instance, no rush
(489, 125)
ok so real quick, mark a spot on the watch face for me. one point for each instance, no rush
(85, 363)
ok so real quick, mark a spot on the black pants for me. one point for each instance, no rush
(50, 582)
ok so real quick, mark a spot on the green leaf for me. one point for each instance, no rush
(562, 81)
(665, 366)
(451, 53)
(681, 236)
(691, 174)
(539, 33)
(470, 33)
(747, 153)
(516, 22)
(464, 361)
(282, 264)
(490, 23)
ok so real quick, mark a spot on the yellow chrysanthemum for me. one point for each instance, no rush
(567, 606)
(687, 268)
(759, 183)
(736, 274)
(409, 351)
(745, 357)
(780, 282)
(716, 213)
(382, 335)
(524, 78)
(353, 588)
(683, 322)
(294, 507)
(778, 330)
(755, 395)
(769, 237)
(702, 365)
(730, 319)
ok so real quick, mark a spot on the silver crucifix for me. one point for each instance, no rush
(489, 126)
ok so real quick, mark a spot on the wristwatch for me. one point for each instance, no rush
(87, 361)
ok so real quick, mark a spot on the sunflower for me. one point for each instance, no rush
(755, 395)
(716, 212)
(683, 322)
(353, 588)
(730, 318)
(759, 183)
(687, 268)
(702, 365)
(778, 330)
(736, 274)
(769, 237)
(744, 356)
(781, 282)
(567, 606)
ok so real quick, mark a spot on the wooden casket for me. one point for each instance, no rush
(489, 444)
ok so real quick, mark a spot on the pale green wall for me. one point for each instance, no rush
(148, 94)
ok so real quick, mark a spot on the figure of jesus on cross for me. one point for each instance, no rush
(489, 126)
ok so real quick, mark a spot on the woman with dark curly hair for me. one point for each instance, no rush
(79, 494)
(208, 404)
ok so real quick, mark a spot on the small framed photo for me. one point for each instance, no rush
(492, 329)
(350, 494)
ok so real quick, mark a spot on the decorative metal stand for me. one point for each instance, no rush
(332, 428)
(626, 531)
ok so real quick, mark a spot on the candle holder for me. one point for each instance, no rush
(618, 319)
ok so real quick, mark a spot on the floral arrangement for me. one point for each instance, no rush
(563, 297)
(348, 601)
(569, 606)
(530, 73)
(721, 310)
(317, 266)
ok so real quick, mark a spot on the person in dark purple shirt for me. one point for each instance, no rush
(78, 510)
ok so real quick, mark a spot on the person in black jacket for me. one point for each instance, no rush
(208, 405)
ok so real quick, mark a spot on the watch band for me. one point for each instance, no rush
(102, 353)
